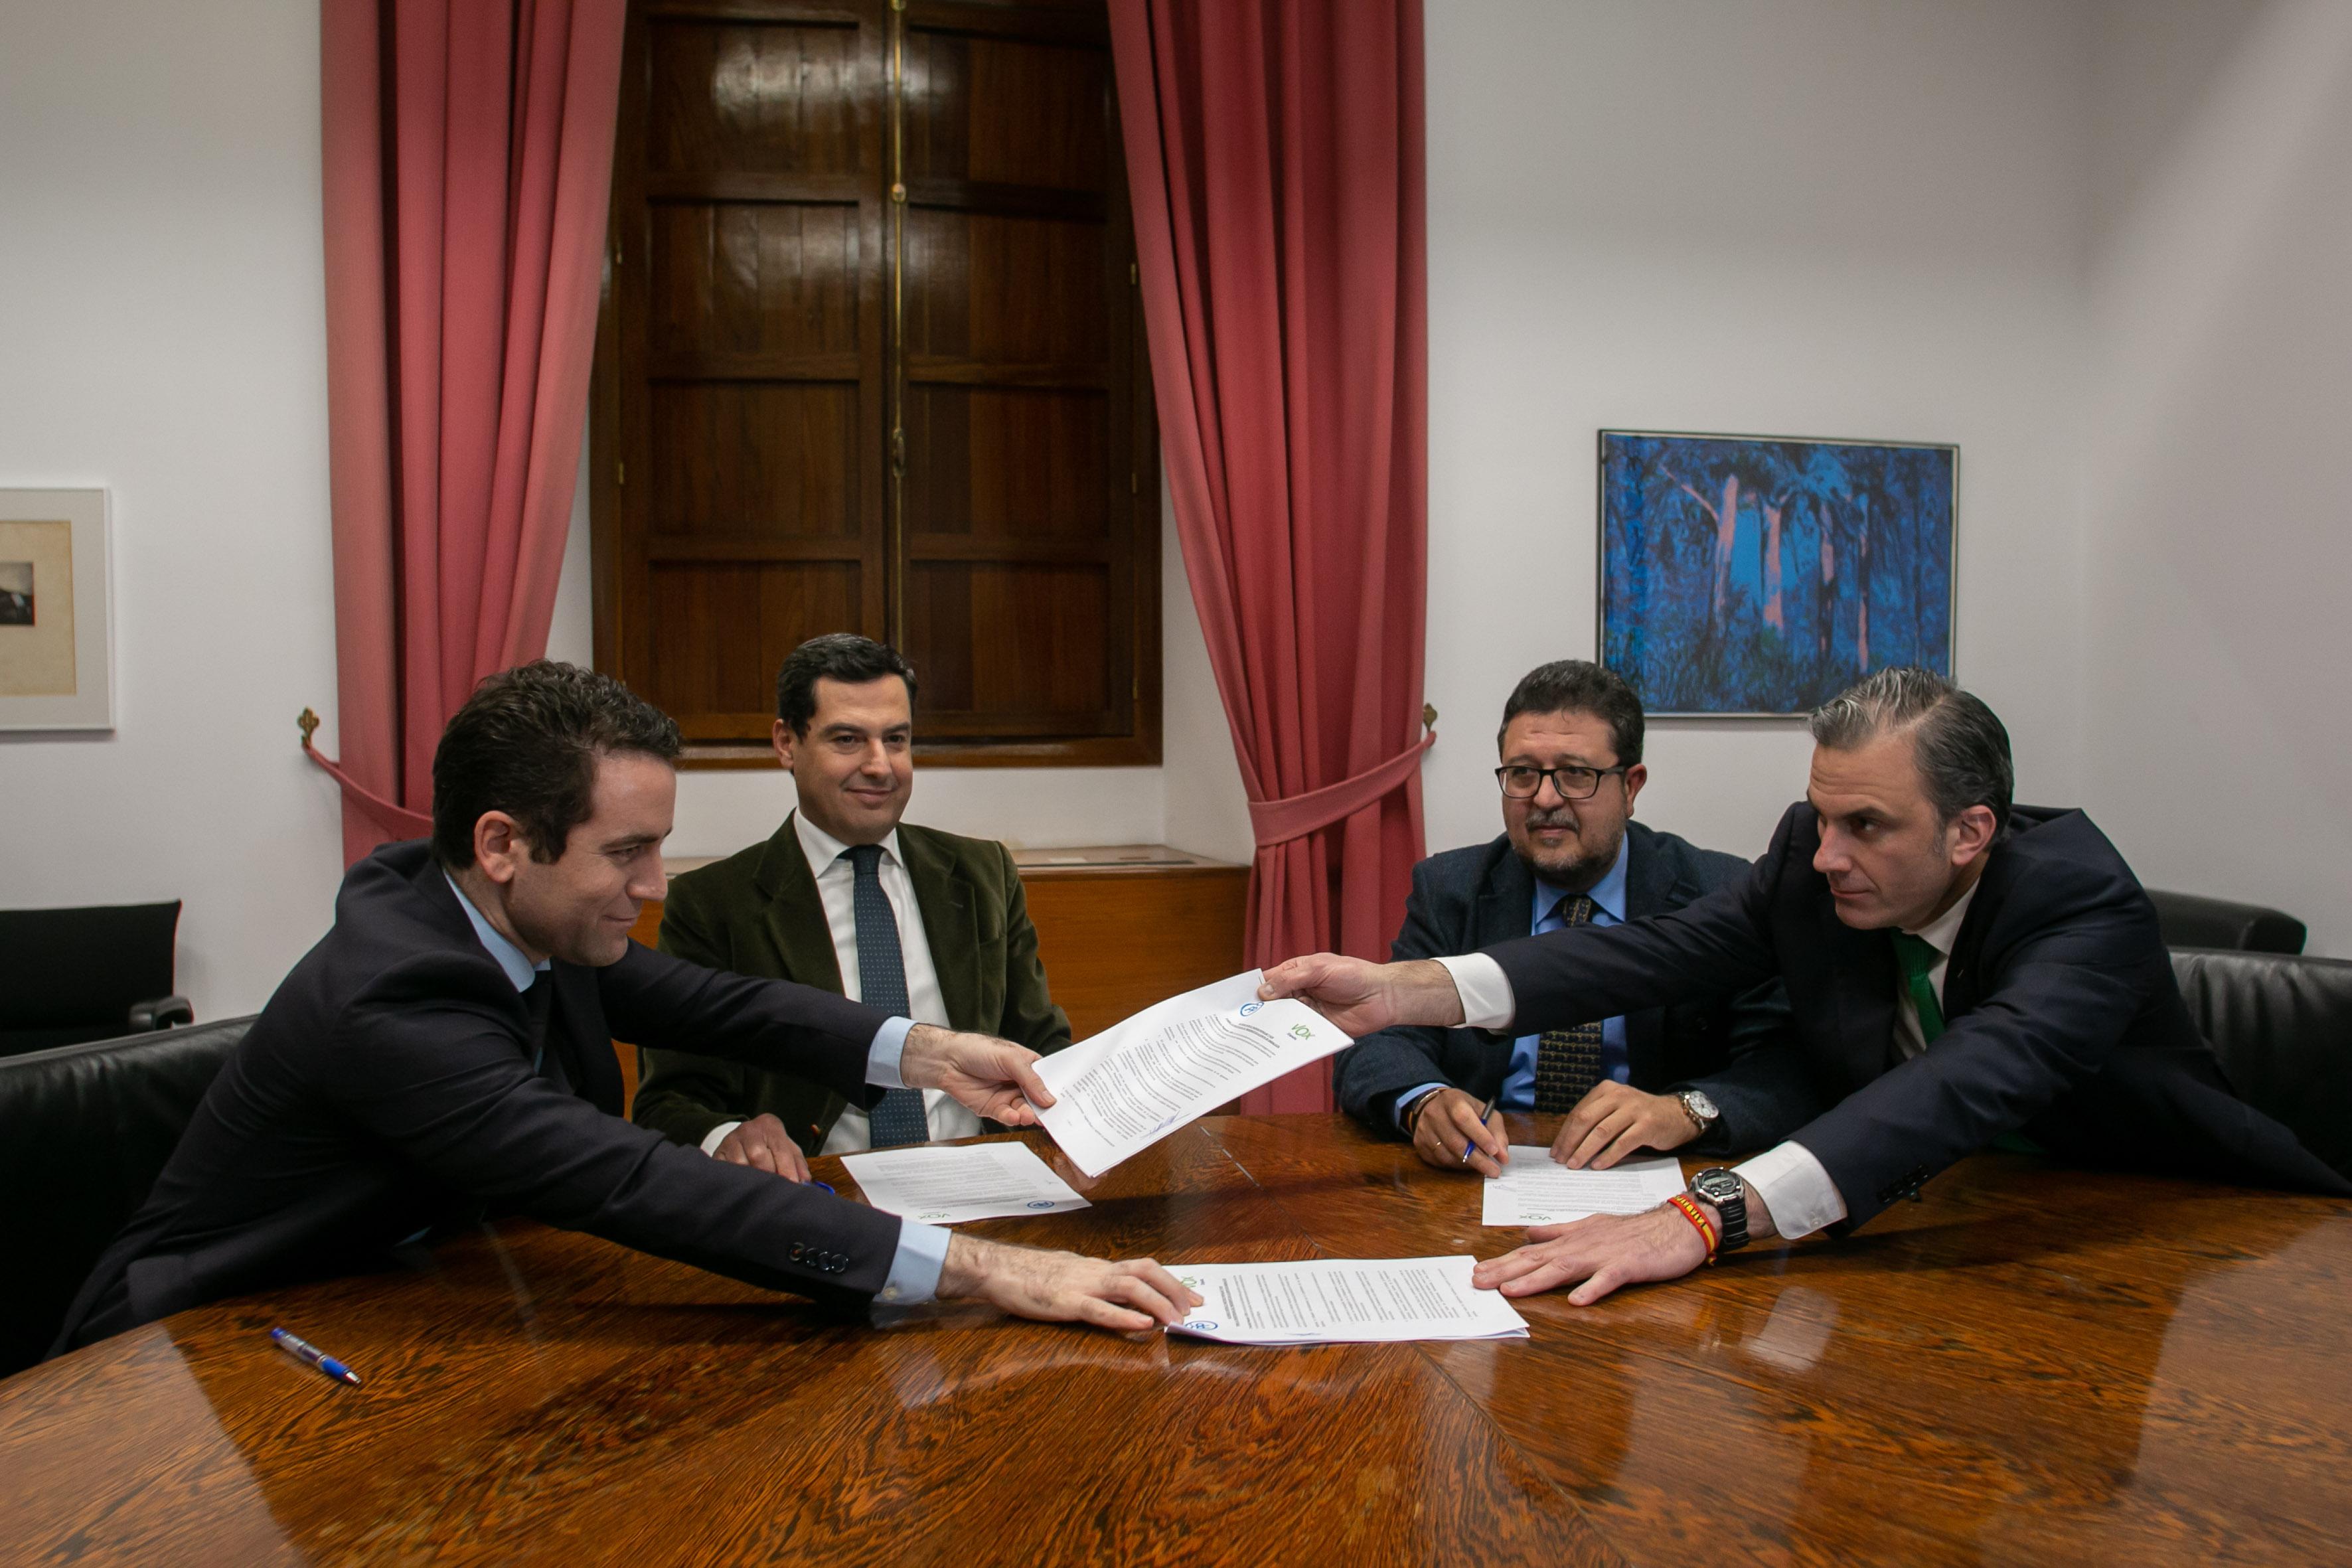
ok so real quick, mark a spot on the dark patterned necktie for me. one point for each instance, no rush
(1567, 1061)
(539, 1007)
(882, 983)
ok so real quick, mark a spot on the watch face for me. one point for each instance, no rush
(1715, 1185)
(1701, 1106)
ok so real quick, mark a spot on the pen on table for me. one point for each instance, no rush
(301, 1350)
(1483, 1115)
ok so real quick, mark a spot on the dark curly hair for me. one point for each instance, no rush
(527, 742)
(837, 655)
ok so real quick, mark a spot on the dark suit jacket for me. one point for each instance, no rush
(1468, 898)
(757, 912)
(388, 1085)
(2063, 1019)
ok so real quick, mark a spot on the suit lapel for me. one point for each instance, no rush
(1964, 971)
(1649, 889)
(1862, 975)
(794, 917)
(951, 922)
(577, 1029)
(1507, 899)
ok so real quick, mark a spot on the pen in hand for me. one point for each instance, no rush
(1473, 1143)
(304, 1351)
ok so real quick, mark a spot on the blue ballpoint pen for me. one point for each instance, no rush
(1484, 1117)
(302, 1351)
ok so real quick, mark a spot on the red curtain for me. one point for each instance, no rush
(468, 155)
(1275, 152)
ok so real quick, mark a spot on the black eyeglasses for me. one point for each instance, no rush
(1573, 784)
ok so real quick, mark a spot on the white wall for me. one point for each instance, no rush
(161, 334)
(1804, 217)
(2217, 715)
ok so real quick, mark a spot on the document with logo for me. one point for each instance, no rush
(1344, 1301)
(1135, 1082)
(946, 1184)
(1536, 1189)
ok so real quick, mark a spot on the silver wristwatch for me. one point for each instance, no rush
(1700, 1109)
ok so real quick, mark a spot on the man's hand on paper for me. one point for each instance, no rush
(1063, 1287)
(1616, 1120)
(1604, 1251)
(1447, 1124)
(1607, 1250)
(1360, 997)
(764, 1145)
(989, 1077)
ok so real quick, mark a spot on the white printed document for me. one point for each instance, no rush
(946, 1184)
(1138, 1081)
(1536, 1189)
(1351, 1301)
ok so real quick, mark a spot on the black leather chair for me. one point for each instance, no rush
(69, 975)
(2282, 1029)
(84, 1131)
(2192, 919)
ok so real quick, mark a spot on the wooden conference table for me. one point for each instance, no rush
(2032, 1365)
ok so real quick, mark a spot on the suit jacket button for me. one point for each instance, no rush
(797, 1253)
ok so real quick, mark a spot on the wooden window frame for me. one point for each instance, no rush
(628, 246)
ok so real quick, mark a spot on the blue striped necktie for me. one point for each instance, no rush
(882, 983)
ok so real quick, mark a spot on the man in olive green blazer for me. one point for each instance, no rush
(956, 922)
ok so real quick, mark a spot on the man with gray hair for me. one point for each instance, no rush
(1959, 969)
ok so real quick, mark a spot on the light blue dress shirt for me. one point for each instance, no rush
(1608, 897)
(922, 1254)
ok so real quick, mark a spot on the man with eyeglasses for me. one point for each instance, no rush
(1570, 855)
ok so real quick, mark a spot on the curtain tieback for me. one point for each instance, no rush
(1295, 816)
(406, 823)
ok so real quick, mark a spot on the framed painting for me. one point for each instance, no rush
(1756, 577)
(56, 666)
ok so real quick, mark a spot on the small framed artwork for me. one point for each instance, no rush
(1758, 576)
(56, 664)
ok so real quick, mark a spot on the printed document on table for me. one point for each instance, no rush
(1344, 1301)
(946, 1184)
(1130, 1086)
(1536, 1189)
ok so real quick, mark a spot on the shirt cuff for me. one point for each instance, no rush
(882, 1055)
(1795, 1188)
(1484, 990)
(1396, 1106)
(914, 1276)
(718, 1135)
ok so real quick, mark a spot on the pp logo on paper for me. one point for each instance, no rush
(1041, 1203)
(1249, 1007)
(1202, 1326)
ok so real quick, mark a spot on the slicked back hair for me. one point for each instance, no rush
(1961, 746)
(1579, 686)
(527, 742)
(837, 655)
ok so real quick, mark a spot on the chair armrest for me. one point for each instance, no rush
(160, 1013)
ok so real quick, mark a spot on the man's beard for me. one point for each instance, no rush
(1573, 869)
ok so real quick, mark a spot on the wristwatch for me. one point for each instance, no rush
(1729, 1194)
(1700, 1109)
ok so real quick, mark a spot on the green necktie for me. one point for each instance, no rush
(1918, 955)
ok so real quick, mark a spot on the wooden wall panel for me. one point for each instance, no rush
(779, 98)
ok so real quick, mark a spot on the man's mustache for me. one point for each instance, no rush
(1552, 819)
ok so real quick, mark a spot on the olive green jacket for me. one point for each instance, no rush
(757, 912)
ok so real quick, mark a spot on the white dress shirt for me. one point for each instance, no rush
(837, 881)
(1792, 1183)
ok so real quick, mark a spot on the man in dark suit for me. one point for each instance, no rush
(843, 895)
(1957, 971)
(445, 1049)
(1570, 750)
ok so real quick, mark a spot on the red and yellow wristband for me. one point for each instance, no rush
(1697, 1216)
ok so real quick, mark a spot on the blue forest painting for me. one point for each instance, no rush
(1762, 575)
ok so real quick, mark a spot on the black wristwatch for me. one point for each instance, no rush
(1729, 1194)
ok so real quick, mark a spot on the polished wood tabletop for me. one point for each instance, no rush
(2033, 1365)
